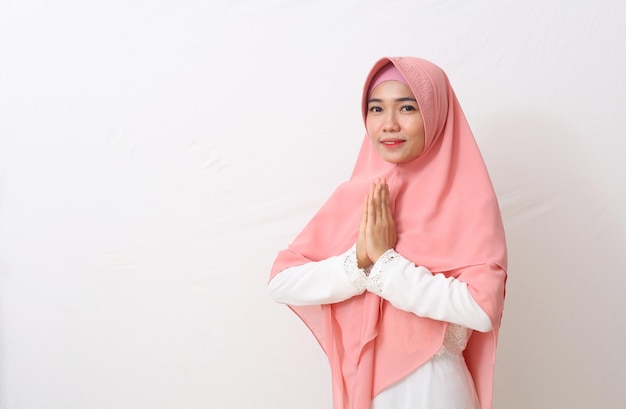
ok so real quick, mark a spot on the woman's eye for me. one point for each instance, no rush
(408, 108)
(375, 109)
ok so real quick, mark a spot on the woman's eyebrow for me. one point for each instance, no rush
(403, 99)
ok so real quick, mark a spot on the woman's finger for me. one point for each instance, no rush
(371, 207)
(378, 201)
(387, 215)
(364, 214)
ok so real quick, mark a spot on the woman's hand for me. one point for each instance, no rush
(380, 232)
(377, 230)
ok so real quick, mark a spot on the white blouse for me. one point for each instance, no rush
(444, 381)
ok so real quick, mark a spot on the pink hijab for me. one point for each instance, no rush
(447, 219)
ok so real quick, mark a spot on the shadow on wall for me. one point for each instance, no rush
(565, 236)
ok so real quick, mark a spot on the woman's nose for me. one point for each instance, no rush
(390, 123)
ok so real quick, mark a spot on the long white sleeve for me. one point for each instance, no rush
(322, 282)
(415, 289)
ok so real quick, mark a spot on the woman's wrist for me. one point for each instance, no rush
(362, 263)
(379, 254)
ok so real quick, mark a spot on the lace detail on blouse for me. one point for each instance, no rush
(375, 281)
(455, 340)
(356, 276)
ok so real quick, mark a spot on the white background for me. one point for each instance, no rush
(156, 155)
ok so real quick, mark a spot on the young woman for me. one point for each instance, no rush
(401, 274)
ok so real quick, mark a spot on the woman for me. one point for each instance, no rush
(401, 274)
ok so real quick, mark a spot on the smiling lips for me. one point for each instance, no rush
(392, 142)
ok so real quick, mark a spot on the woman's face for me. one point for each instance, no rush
(394, 122)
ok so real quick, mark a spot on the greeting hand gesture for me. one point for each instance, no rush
(377, 230)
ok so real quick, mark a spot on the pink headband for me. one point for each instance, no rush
(388, 73)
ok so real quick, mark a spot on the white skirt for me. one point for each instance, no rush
(444, 382)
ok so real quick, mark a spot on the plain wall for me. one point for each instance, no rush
(156, 155)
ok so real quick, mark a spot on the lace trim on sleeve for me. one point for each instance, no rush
(356, 276)
(375, 281)
(455, 340)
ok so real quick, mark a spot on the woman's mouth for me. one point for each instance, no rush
(392, 142)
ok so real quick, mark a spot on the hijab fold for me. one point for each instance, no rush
(447, 219)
